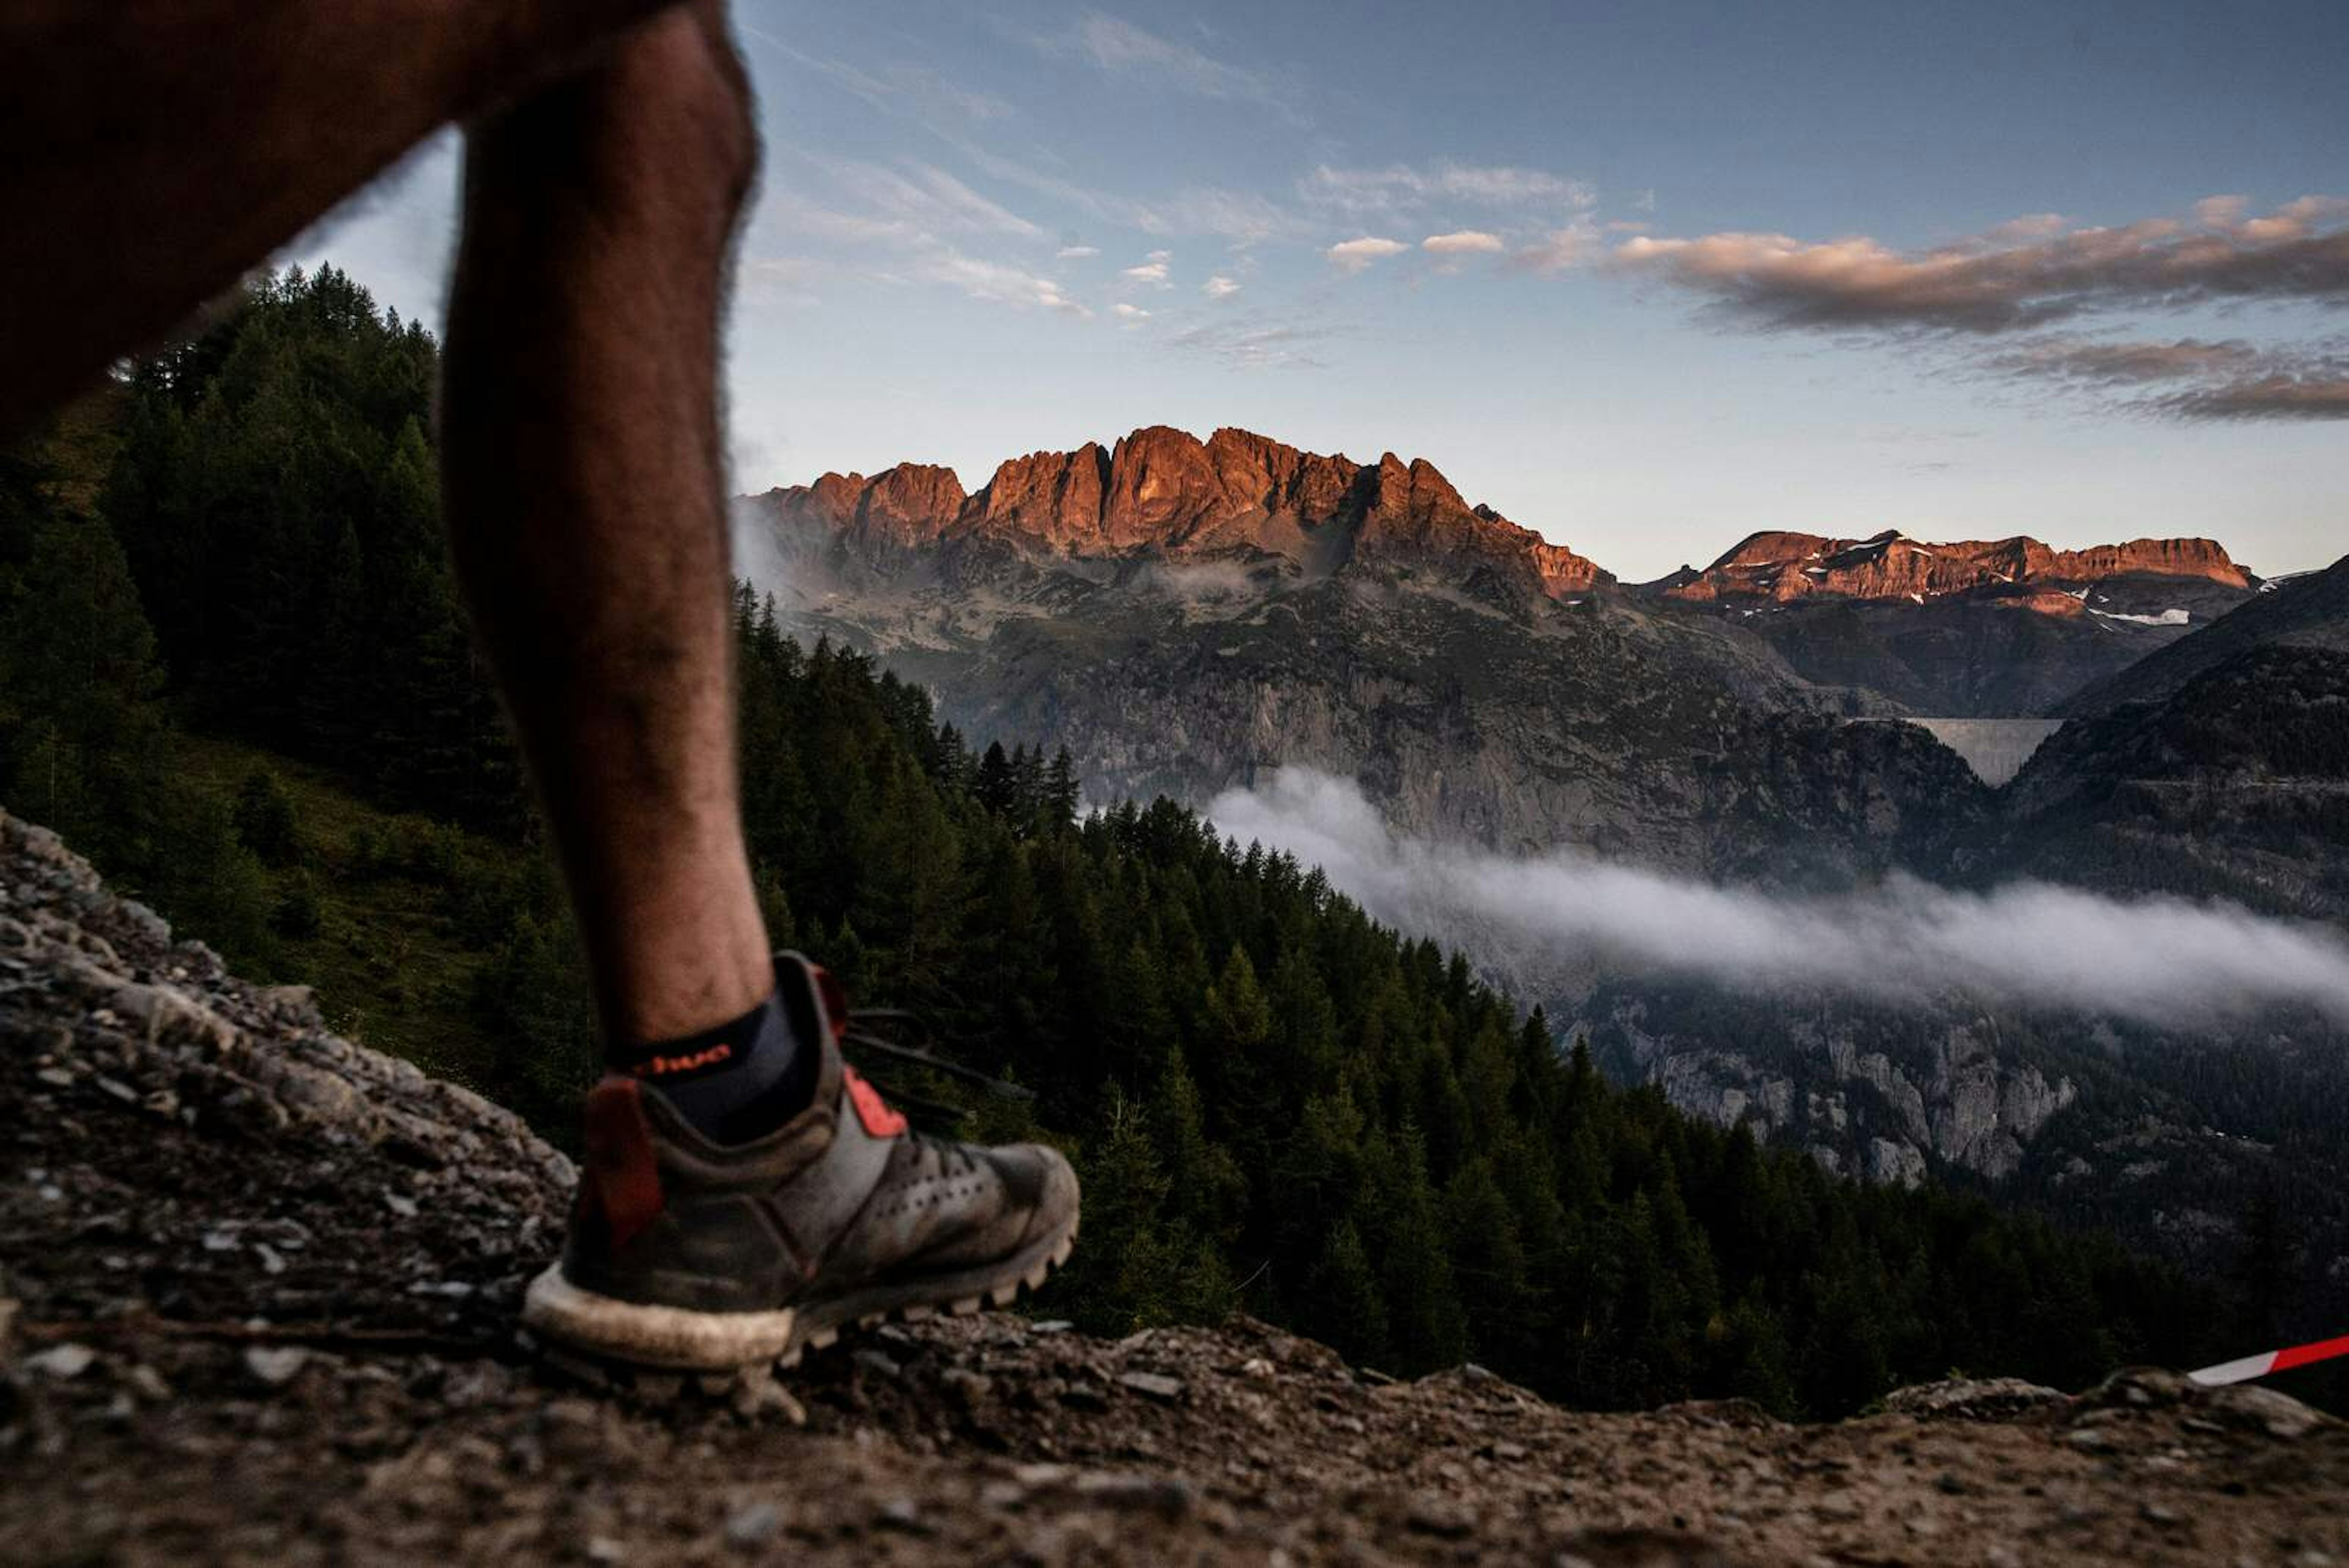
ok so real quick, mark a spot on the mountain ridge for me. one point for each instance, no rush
(1160, 487)
(2309, 609)
(1983, 629)
(1163, 489)
(1779, 566)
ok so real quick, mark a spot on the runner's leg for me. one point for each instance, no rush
(157, 149)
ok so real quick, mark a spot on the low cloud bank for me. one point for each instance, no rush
(2157, 961)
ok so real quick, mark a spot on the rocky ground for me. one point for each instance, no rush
(261, 1286)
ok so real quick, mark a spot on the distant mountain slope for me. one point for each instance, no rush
(2236, 785)
(1996, 628)
(1964, 656)
(1992, 628)
(2220, 765)
(2174, 1137)
(1185, 614)
(1783, 566)
(2311, 611)
(1600, 726)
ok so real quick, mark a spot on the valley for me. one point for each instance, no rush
(2140, 719)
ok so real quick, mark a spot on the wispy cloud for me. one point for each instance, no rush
(1220, 287)
(904, 88)
(995, 282)
(1076, 252)
(918, 217)
(1243, 218)
(1557, 250)
(912, 201)
(2013, 277)
(1401, 187)
(1252, 342)
(1129, 313)
(1239, 217)
(2310, 394)
(2224, 380)
(1121, 49)
(790, 280)
(2105, 363)
(2010, 285)
(1353, 255)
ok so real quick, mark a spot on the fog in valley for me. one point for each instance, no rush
(1539, 920)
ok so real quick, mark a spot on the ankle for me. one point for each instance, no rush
(733, 1083)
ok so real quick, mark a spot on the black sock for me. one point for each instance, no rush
(737, 1082)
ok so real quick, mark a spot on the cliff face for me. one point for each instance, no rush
(2311, 611)
(1054, 497)
(881, 519)
(1981, 628)
(1163, 490)
(1946, 1095)
(240, 1247)
(1778, 567)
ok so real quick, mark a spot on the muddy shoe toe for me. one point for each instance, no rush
(685, 1253)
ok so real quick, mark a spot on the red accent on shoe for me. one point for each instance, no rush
(622, 1180)
(835, 999)
(880, 1120)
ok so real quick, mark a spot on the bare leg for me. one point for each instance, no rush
(158, 149)
(584, 486)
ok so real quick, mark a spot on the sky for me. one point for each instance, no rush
(1646, 278)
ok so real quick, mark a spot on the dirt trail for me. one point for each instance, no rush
(260, 1288)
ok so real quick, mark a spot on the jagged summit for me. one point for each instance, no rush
(1780, 567)
(1163, 489)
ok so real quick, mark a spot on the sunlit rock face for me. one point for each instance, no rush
(1780, 567)
(1166, 491)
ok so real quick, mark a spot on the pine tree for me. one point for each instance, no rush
(1426, 1325)
(996, 787)
(1206, 1188)
(1062, 794)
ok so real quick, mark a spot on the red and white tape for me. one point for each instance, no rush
(2251, 1367)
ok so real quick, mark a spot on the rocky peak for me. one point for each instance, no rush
(833, 497)
(1165, 489)
(1162, 486)
(1411, 512)
(1052, 496)
(2164, 558)
(911, 503)
(1277, 479)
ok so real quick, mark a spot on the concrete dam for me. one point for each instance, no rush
(1995, 748)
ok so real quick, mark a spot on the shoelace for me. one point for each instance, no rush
(863, 1036)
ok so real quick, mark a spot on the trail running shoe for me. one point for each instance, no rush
(688, 1254)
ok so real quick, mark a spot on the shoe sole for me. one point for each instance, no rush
(679, 1339)
(820, 1323)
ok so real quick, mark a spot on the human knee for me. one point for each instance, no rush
(668, 106)
(694, 80)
